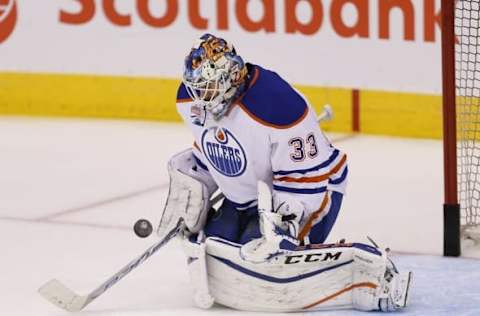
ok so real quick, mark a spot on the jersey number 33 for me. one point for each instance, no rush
(303, 147)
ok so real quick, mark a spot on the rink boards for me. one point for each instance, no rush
(150, 98)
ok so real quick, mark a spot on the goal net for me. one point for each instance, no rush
(467, 98)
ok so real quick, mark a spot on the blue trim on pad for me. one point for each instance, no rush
(367, 248)
(274, 279)
(226, 242)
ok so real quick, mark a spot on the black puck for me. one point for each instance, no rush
(143, 228)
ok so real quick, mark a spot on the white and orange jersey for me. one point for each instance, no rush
(271, 134)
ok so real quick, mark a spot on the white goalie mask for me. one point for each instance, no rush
(213, 74)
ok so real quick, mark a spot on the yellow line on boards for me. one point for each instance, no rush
(88, 96)
(43, 94)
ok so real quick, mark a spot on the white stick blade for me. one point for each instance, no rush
(61, 296)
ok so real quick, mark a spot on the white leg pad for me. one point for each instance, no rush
(197, 269)
(316, 277)
(369, 271)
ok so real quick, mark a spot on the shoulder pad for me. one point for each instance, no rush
(272, 101)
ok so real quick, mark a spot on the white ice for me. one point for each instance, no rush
(70, 191)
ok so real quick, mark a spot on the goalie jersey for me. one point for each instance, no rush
(271, 134)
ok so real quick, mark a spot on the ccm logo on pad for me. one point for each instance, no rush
(313, 257)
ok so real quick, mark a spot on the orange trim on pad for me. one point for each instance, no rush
(334, 295)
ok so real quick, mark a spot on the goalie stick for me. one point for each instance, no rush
(326, 115)
(60, 295)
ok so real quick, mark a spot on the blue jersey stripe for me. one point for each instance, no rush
(324, 164)
(200, 163)
(341, 179)
(275, 279)
(300, 191)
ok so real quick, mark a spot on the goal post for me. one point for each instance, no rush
(451, 208)
(461, 122)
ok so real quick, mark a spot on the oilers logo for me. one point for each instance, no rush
(224, 151)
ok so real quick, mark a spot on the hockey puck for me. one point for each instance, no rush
(143, 228)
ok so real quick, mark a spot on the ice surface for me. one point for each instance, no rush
(71, 190)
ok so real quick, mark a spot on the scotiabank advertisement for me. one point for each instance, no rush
(391, 45)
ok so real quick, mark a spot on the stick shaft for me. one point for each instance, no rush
(135, 262)
(58, 294)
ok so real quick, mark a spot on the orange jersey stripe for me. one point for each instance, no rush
(317, 178)
(308, 226)
(351, 287)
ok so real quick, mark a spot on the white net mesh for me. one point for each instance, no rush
(467, 58)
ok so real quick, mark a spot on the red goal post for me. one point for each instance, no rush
(461, 122)
(451, 208)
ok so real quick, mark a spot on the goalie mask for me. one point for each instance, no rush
(214, 75)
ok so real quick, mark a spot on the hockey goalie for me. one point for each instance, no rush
(258, 142)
